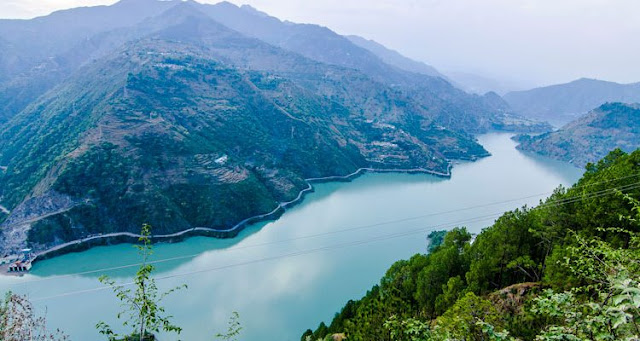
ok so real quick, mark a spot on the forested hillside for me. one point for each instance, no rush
(590, 137)
(567, 269)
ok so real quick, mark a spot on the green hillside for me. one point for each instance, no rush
(591, 137)
(177, 120)
(162, 133)
(581, 243)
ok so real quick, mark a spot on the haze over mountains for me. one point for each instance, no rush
(394, 58)
(188, 115)
(562, 103)
(201, 119)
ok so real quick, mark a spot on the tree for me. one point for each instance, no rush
(141, 306)
(607, 307)
(505, 254)
(409, 329)
(233, 329)
(449, 260)
(468, 319)
(19, 322)
(450, 294)
(435, 239)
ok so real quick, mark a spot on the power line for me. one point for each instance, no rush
(362, 227)
(348, 244)
(293, 254)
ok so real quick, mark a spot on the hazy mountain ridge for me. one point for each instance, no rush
(590, 137)
(562, 103)
(37, 54)
(479, 84)
(450, 106)
(312, 41)
(394, 58)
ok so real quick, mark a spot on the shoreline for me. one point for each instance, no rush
(86, 243)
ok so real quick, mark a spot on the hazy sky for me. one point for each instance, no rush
(544, 41)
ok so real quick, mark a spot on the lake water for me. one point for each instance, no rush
(288, 275)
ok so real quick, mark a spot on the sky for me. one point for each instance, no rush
(528, 42)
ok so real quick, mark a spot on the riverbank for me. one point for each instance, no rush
(128, 237)
(255, 274)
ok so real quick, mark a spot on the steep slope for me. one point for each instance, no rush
(31, 42)
(197, 125)
(312, 41)
(375, 101)
(448, 106)
(562, 103)
(37, 54)
(394, 58)
(591, 137)
(41, 53)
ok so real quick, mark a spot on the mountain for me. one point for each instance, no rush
(188, 123)
(173, 118)
(44, 51)
(447, 105)
(590, 137)
(562, 103)
(37, 54)
(477, 84)
(394, 58)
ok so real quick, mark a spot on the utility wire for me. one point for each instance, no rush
(361, 227)
(288, 255)
(352, 243)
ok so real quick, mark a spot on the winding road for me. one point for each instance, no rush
(281, 206)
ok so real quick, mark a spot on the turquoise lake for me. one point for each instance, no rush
(288, 275)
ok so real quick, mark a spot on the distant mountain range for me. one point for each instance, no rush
(477, 84)
(562, 103)
(394, 58)
(184, 115)
(590, 137)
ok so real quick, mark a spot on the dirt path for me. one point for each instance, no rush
(34, 219)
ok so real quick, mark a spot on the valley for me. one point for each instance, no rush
(184, 123)
(335, 229)
(319, 171)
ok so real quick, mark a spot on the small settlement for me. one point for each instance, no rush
(16, 264)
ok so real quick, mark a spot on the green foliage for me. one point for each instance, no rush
(142, 310)
(435, 238)
(450, 293)
(465, 320)
(233, 330)
(607, 307)
(500, 252)
(449, 260)
(407, 330)
(566, 244)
